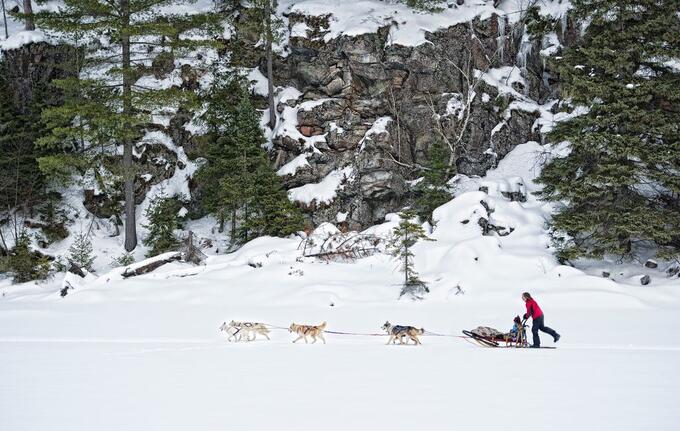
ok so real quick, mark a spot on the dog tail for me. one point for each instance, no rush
(323, 325)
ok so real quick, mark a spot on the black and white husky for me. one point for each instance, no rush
(399, 332)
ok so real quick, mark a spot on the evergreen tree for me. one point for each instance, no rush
(425, 5)
(400, 246)
(433, 189)
(238, 182)
(124, 259)
(80, 252)
(273, 213)
(163, 218)
(106, 107)
(619, 184)
(54, 218)
(21, 182)
(23, 263)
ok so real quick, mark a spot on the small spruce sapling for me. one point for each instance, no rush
(163, 217)
(400, 247)
(124, 259)
(81, 252)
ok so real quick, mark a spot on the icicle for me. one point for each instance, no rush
(564, 23)
(500, 40)
(524, 51)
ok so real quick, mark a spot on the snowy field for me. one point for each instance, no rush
(161, 365)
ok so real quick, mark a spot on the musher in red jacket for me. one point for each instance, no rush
(534, 311)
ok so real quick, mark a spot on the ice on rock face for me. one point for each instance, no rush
(525, 48)
(500, 40)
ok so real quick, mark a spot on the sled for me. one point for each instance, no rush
(489, 337)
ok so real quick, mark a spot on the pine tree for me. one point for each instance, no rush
(124, 259)
(238, 182)
(163, 218)
(425, 5)
(80, 252)
(433, 189)
(274, 214)
(106, 107)
(23, 263)
(619, 184)
(400, 246)
(21, 182)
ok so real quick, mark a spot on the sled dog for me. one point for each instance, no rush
(238, 330)
(399, 332)
(232, 332)
(308, 330)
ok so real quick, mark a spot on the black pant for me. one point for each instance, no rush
(538, 325)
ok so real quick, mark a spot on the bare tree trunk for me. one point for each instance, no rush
(246, 214)
(270, 72)
(4, 19)
(28, 10)
(128, 171)
(233, 227)
(4, 249)
(406, 252)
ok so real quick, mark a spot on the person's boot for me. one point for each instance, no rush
(556, 338)
(535, 346)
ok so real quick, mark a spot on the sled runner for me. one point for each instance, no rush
(490, 337)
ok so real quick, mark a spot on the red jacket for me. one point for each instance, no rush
(533, 310)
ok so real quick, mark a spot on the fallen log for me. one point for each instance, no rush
(153, 265)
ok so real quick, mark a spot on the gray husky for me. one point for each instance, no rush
(399, 332)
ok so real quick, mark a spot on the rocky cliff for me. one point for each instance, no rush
(357, 113)
(375, 106)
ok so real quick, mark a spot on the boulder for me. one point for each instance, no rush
(379, 184)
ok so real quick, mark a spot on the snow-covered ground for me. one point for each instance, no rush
(145, 353)
(161, 366)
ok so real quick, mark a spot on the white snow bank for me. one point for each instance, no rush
(379, 126)
(291, 167)
(287, 121)
(506, 185)
(323, 191)
(19, 39)
(259, 82)
(502, 78)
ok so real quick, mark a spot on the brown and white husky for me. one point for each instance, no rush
(308, 330)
